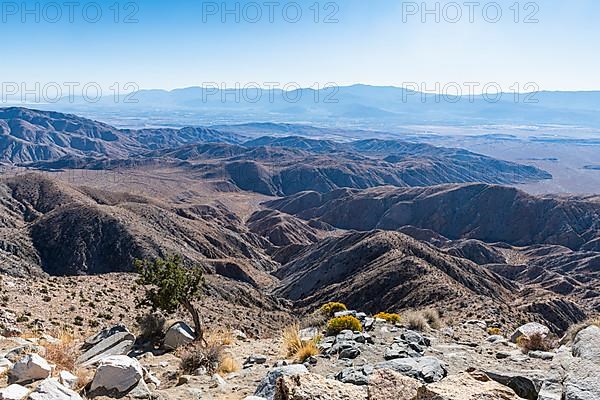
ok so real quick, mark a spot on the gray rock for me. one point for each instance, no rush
(51, 389)
(309, 334)
(426, 369)
(14, 354)
(29, 369)
(403, 350)
(529, 329)
(179, 334)
(255, 359)
(369, 323)
(355, 375)
(103, 334)
(495, 338)
(266, 388)
(117, 374)
(351, 313)
(587, 344)
(542, 355)
(525, 387)
(120, 343)
(350, 353)
(415, 337)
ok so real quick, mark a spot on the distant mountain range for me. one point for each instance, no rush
(373, 107)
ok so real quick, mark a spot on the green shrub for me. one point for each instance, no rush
(331, 308)
(336, 325)
(389, 317)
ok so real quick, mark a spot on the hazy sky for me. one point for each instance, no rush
(179, 43)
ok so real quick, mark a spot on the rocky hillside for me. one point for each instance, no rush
(477, 211)
(69, 231)
(387, 270)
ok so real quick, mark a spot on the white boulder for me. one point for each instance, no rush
(51, 389)
(68, 379)
(117, 373)
(179, 334)
(13, 392)
(532, 328)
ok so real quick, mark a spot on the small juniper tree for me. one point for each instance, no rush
(169, 285)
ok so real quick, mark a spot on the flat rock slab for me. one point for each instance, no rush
(120, 343)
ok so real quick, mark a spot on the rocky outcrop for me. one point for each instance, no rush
(466, 386)
(268, 385)
(384, 382)
(179, 334)
(575, 374)
(312, 386)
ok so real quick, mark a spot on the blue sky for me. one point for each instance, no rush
(179, 43)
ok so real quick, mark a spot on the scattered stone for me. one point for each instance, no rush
(255, 359)
(30, 368)
(17, 353)
(350, 353)
(312, 386)
(415, 337)
(542, 355)
(239, 335)
(355, 375)
(351, 313)
(67, 379)
(495, 338)
(179, 334)
(51, 389)
(426, 369)
(309, 334)
(5, 365)
(369, 323)
(529, 329)
(266, 388)
(13, 392)
(466, 386)
(117, 374)
(481, 324)
(384, 382)
(219, 382)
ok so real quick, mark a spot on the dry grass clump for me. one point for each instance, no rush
(416, 321)
(297, 348)
(348, 322)
(329, 309)
(389, 317)
(195, 356)
(64, 352)
(494, 331)
(535, 342)
(222, 337)
(432, 316)
(228, 365)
